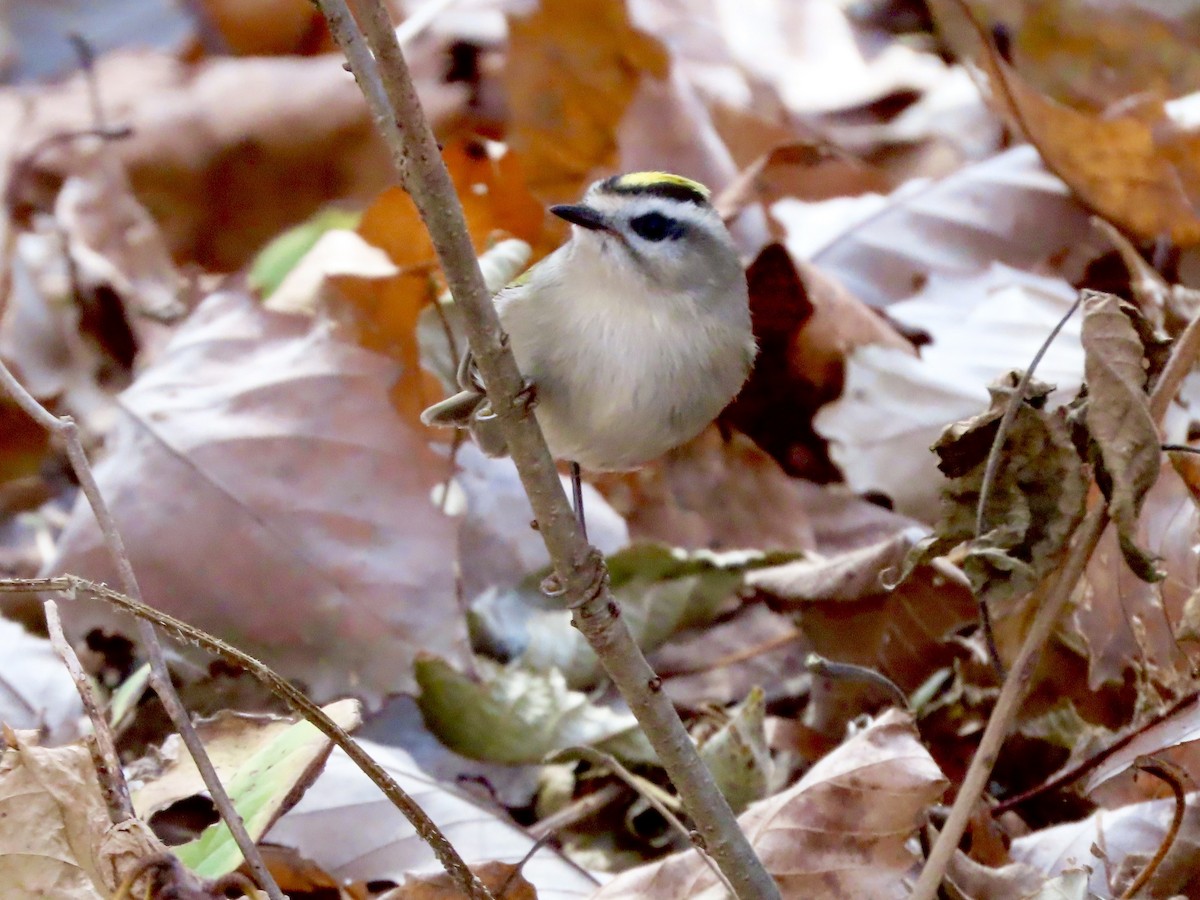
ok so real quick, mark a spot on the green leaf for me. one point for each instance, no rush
(662, 591)
(514, 715)
(265, 785)
(737, 753)
(280, 256)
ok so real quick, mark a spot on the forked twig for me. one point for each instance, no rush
(65, 430)
(76, 587)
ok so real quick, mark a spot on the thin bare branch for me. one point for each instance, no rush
(1173, 776)
(580, 579)
(104, 751)
(1012, 692)
(65, 430)
(80, 588)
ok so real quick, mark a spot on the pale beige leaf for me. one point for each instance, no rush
(374, 841)
(35, 690)
(1006, 209)
(1131, 833)
(56, 839)
(982, 326)
(841, 831)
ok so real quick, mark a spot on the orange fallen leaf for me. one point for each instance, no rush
(573, 68)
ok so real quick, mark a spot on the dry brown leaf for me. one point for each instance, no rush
(270, 27)
(1126, 622)
(848, 615)
(56, 839)
(267, 492)
(441, 886)
(1132, 165)
(841, 831)
(572, 70)
(1087, 54)
(224, 153)
(1118, 417)
(805, 325)
(708, 494)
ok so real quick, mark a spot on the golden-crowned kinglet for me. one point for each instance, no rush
(634, 334)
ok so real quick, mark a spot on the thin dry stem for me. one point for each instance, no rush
(1173, 777)
(580, 576)
(648, 792)
(104, 750)
(66, 431)
(1012, 692)
(992, 467)
(80, 588)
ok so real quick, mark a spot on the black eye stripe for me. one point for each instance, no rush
(654, 226)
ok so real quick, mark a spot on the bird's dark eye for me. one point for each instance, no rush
(656, 227)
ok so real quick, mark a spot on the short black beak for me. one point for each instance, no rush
(583, 216)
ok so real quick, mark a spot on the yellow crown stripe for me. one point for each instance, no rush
(647, 180)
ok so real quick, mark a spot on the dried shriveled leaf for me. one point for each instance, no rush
(1006, 209)
(572, 70)
(291, 511)
(375, 841)
(112, 239)
(1118, 417)
(1036, 499)
(516, 715)
(841, 831)
(56, 839)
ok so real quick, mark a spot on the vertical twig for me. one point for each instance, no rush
(66, 431)
(580, 577)
(104, 750)
(992, 467)
(1012, 692)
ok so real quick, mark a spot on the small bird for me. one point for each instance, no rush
(633, 335)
